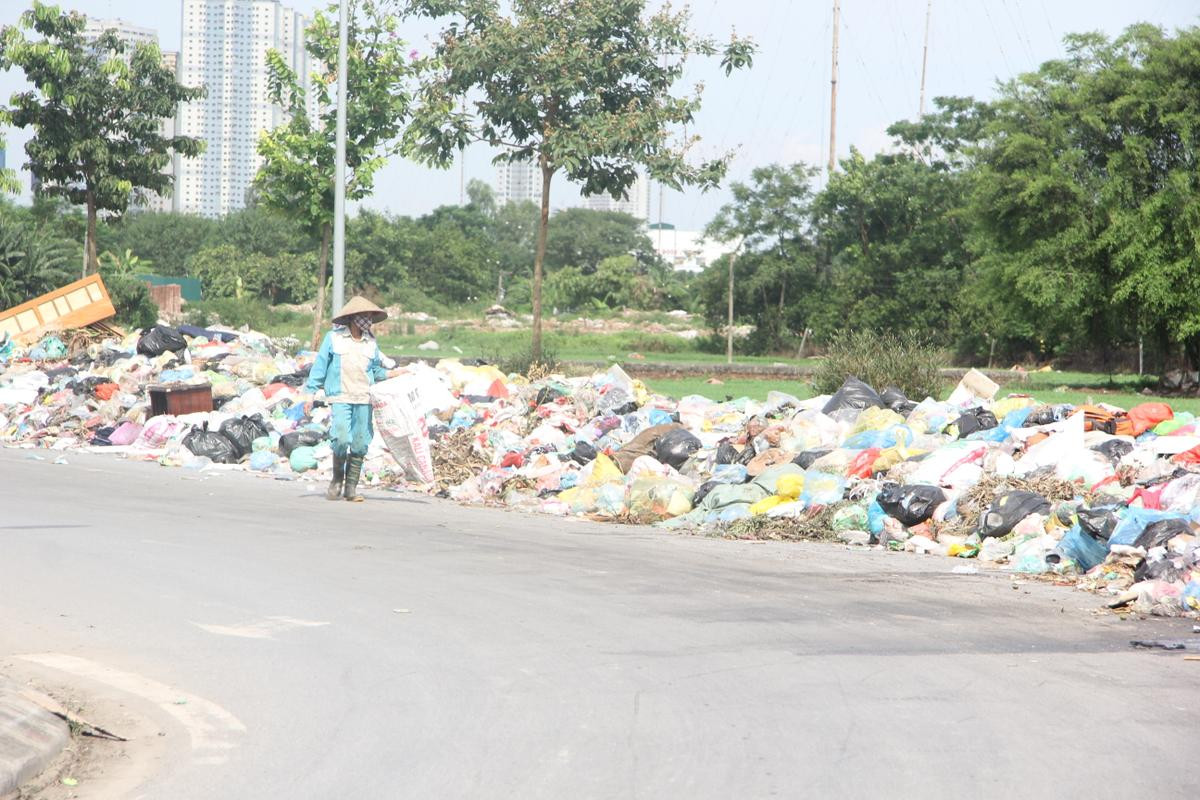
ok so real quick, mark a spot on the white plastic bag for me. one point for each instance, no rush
(400, 419)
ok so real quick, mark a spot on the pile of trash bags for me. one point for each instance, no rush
(1108, 496)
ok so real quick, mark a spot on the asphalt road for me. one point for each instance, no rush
(409, 648)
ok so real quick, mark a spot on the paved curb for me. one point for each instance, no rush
(30, 738)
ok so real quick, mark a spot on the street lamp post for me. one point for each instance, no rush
(339, 180)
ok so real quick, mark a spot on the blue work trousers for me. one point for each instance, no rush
(351, 429)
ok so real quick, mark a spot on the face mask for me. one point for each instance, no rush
(364, 323)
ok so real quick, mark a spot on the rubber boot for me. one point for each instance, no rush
(353, 471)
(339, 476)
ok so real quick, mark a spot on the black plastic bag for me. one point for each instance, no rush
(912, 504)
(703, 491)
(583, 453)
(216, 446)
(973, 420)
(305, 438)
(675, 447)
(242, 431)
(100, 437)
(1114, 449)
(896, 400)
(296, 379)
(1010, 508)
(1161, 532)
(161, 339)
(1044, 415)
(1098, 522)
(747, 455)
(727, 453)
(853, 394)
(806, 459)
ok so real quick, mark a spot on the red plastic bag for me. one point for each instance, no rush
(860, 467)
(105, 391)
(1145, 416)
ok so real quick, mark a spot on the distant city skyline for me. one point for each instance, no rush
(779, 110)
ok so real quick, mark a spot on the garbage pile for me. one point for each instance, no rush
(1107, 496)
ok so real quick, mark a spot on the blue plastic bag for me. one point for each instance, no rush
(875, 517)
(262, 460)
(1134, 520)
(1081, 548)
(822, 488)
(660, 417)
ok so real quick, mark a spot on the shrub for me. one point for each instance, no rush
(905, 360)
(522, 362)
(131, 299)
(253, 313)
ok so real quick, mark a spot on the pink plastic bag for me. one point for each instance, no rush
(126, 433)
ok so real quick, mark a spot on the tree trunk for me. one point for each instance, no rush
(92, 263)
(319, 314)
(543, 227)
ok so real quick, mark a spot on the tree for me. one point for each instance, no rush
(772, 219)
(298, 171)
(8, 178)
(226, 271)
(164, 240)
(96, 109)
(583, 237)
(581, 87)
(33, 260)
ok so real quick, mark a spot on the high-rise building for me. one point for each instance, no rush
(133, 36)
(636, 202)
(224, 49)
(517, 181)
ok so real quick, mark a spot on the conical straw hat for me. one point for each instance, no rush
(359, 305)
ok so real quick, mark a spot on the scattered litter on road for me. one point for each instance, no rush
(1103, 497)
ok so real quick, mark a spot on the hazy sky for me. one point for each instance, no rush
(779, 110)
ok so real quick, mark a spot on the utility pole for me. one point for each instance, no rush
(925, 56)
(837, 15)
(339, 180)
(462, 168)
(729, 323)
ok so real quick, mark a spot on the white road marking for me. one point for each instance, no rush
(262, 629)
(213, 730)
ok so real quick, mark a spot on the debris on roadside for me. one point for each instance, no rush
(1106, 498)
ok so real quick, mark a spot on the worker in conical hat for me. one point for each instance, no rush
(348, 362)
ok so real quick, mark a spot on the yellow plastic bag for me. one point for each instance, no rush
(876, 419)
(766, 504)
(604, 471)
(790, 486)
(892, 456)
(1002, 408)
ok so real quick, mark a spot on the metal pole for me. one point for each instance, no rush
(729, 326)
(339, 180)
(837, 15)
(925, 56)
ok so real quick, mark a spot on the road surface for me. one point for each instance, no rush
(291, 647)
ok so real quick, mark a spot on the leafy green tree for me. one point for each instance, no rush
(582, 237)
(96, 109)
(125, 263)
(897, 242)
(8, 178)
(771, 217)
(164, 240)
(581, 87)
(298, 171)
(33, 260)
(226, 271)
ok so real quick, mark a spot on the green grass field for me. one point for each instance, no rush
(1047, 387)
(1082, 388)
